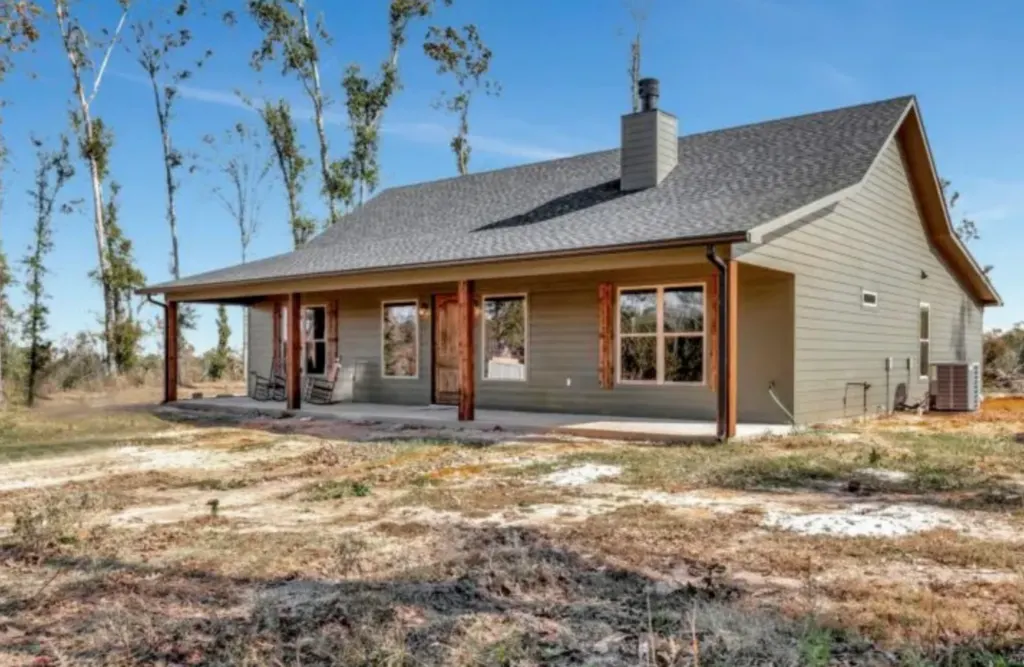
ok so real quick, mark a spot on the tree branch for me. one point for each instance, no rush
(106, 56)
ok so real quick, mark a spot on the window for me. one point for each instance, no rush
(869, 299)
(400, 340)
(314, 338)
(661, 335)
(924, 334)
(504, 338)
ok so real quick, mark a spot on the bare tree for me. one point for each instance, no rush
(366, 100)
(53, 170)
(18, 31)
(244, 170)
(164, 48)
(638, 10)
(77, 45)
(966, 228)
(287, 34)
(463, 55)
(292, 164)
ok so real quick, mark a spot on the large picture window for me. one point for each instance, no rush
(661, 335)
(925, 339)
(504, 337)
(400, 340)
(314, 338)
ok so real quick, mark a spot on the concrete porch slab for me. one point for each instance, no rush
(597, 426)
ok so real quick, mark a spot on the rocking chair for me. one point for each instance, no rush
(270, 388)
(320, 390)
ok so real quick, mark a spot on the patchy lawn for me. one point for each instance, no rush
(160, 536)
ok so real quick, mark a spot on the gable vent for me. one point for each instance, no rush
(650, 142)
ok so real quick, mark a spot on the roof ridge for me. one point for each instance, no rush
(907, 98)
(809, 114)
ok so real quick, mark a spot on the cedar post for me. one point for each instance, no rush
(276, 356)
(467, 376)
(293, 374)
(332, 332)
(171, 352)
(732, 333)
(605, 335)
(713, 304)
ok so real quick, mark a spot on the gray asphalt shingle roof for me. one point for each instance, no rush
(727, 181)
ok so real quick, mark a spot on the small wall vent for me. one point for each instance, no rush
(955, 387)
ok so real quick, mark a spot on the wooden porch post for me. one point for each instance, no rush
(732, 336)
(467, 375)
(171, 352)
(293, 365)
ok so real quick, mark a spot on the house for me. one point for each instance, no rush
(800, 268)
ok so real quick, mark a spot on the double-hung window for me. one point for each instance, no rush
(314, 338)
(661, 335)
(504, 337)
(400, 339)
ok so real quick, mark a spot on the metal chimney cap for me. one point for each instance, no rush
(649, 92)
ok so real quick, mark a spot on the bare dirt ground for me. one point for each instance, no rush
(135, 535)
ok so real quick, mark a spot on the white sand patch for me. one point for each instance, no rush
(151, 458)
(885, 475)
(581, 475)
(866, 520)
(45, 472)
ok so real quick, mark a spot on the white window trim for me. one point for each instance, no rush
(865, 304)
(660, 336)
(923, 306)
(284, 336)
(483, 335)
(415, 303)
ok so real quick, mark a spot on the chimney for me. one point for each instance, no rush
(650, 142)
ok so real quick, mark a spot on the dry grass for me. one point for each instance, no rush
(342, 546)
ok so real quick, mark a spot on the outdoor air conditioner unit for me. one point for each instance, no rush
(956, 387)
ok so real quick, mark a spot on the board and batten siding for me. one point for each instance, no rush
(562, 351)
(875, 241)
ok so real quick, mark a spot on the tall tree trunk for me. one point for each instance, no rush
(318, 116)
(100, 229)
(3, 323)
(245, 333)
(172, 216)
(293, 212)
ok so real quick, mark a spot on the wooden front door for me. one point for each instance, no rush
(446, 349)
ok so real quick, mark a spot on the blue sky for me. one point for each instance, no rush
(562, 66)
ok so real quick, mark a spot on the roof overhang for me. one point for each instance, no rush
(665, 252)
(924, 179)
(930, 199)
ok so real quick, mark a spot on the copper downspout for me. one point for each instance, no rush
(722, 428)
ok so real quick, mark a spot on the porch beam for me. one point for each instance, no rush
(467, 374)
(293, 365)
(171, 352)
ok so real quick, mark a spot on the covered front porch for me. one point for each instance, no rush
(618, 339)
(444, 416)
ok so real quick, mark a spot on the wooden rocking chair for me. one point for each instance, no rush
(320, 390)
(270, 388)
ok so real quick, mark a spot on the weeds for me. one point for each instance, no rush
(816, 647)
(335, 490)
(45, 525)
